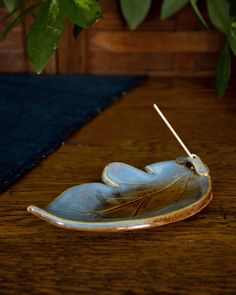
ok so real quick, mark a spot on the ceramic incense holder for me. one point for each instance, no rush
(130, 198)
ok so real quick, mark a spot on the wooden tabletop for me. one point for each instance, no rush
(194, 256)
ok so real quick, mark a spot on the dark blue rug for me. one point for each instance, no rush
(37, 113)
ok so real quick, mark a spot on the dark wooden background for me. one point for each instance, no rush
(174, 47)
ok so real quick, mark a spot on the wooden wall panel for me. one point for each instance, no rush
(176, 46)
(71, 56)
(154, 42)
(12, 54)
(103, 62)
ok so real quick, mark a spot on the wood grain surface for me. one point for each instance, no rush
(194, 256)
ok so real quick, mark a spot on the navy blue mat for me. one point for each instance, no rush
(37, 113)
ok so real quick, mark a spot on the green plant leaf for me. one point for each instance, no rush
(198, 13)
(17, 21)
(232, 30)
(232, 39)
(45, 33)
(82, 13)
(135, 11)
(10, 4)
(218, 11)
(233, 23)
(76, 31)
(223, 69)
(170, 7)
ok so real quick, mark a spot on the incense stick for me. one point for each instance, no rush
(173, 131)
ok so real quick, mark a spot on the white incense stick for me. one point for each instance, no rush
(173, 131)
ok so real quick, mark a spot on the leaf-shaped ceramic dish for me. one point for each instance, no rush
(131, 198)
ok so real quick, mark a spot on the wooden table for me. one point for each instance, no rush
(194, 256)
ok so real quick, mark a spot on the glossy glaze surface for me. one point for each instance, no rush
(130, 198)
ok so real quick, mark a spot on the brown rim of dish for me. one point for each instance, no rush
(150, 222)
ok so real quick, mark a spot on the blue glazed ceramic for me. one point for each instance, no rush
(130, 198)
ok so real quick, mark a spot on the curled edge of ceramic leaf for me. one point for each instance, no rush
(130, 199)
